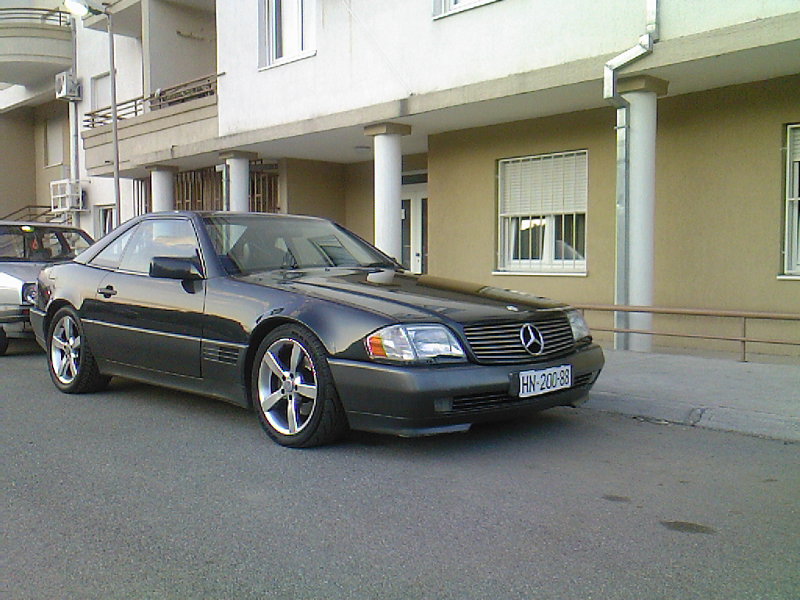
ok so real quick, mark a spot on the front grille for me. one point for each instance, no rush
(499, 343)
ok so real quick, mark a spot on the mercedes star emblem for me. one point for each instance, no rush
(532, 339)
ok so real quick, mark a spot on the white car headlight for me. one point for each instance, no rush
(410, 343)
(29, 293)
(580, 329)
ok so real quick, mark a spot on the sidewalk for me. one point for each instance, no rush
(752, 398)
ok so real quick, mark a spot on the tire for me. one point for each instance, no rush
(3, 341)
(71, 363)
(293, 391)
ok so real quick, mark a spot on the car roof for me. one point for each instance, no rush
(38, 225)
(228, 213)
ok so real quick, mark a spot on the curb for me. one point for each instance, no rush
(778, 427)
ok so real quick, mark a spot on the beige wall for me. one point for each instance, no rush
(720, 195)
(17, 174)
(315, 188)
(46, 173)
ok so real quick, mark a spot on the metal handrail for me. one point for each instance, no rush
(44, 16)
(161, 98)
(32, 212)
(742, 339)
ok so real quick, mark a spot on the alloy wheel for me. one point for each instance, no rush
(287, 386)
(65, 350)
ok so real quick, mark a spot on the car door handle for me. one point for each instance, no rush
(107, 291)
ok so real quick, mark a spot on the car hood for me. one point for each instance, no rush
(406, 297)
(22, 271)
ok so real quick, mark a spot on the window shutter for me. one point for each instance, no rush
(794, 143)
(545, 184)
(438, 7)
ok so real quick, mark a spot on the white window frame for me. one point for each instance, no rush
(443, 8)
(304, 32)
(540, 204)
(792, 241)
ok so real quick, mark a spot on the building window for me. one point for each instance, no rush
(792, 250)
(542, 213)
(105, 220)
(446, 7)
(53, 143)
(289, 27)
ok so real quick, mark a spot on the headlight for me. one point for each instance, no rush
(580, 329)
(409, 343)
(29, 293)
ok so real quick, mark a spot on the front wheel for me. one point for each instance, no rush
(3, 341)
(293, 390)
(72, 365)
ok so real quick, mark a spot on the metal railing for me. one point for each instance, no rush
(32, 212)
(41, 16)
(161, 98)
(743, 316)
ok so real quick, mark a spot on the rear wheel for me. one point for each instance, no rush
(3, 341)
(293, 391)
(72, 365)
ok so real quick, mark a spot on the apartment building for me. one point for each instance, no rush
(632, 151)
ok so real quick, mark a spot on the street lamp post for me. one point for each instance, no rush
(79, 9)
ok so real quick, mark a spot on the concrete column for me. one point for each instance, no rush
(388, 184)
(641, 93)
(238, 179)
(162, 185)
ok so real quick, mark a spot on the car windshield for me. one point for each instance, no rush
(34, 243)
(251, 243)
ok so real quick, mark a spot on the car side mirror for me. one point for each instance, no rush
(175, 267)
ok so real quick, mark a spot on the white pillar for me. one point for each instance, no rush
(238, 179)
(388, 183)
(162, 186)
(641, 93)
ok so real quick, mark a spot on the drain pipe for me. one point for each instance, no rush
(612, 95)
(74, 137)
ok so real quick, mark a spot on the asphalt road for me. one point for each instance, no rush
(140, 492)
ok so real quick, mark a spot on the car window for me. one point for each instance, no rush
(40, 243)
(163, 237)
(111, 255)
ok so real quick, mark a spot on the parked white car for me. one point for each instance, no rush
(24, 249)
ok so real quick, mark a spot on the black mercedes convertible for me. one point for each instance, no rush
(307, 323)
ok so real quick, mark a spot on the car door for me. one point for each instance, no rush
(147, 322)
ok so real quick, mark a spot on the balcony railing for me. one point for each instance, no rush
(35, 16)
(161, 98)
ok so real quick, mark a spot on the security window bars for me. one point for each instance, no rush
(289, 30)
(542, 213)
(792, 250)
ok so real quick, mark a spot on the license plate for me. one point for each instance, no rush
(543, 381)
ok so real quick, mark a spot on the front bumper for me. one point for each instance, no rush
(425, 400)
(15, 321)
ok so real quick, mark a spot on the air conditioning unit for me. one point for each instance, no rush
(65, 195)
(67, 87)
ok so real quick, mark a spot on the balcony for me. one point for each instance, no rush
(151, 124)
(35, 44)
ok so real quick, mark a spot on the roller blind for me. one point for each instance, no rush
(544, 184)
